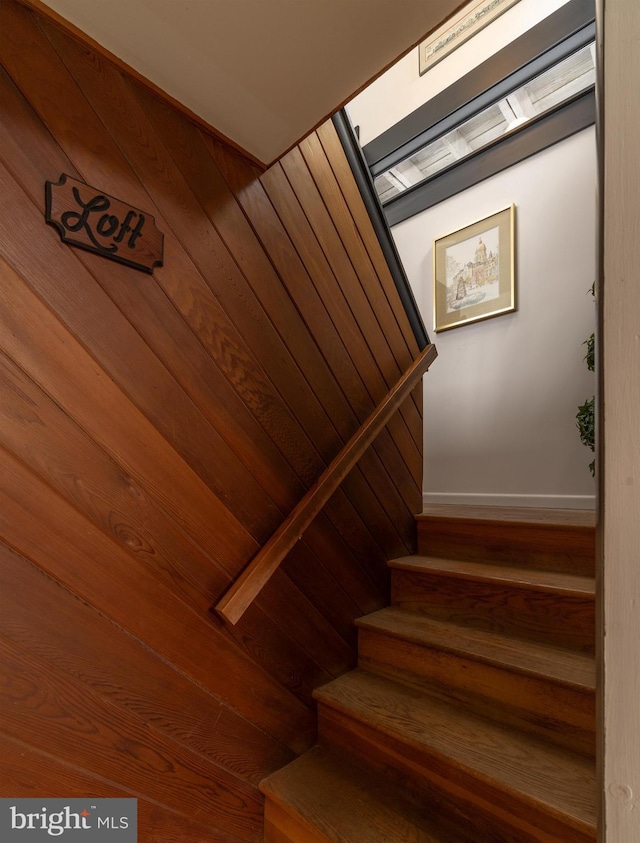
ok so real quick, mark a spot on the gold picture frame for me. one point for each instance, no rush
(474, 271)
(458, 29)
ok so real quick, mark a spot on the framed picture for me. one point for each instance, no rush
(458, 29)
(474, 271)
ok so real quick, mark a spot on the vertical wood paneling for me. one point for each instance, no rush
(325, 181)
(319, 267)
(374, 274)
(294, 275)
(149, 308)
(300, 435)
(152, 313)
(618, 463)
(333, 150)
(344, 276)
(154, 431)
(331, 145)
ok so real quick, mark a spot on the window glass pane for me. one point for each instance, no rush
(568, 78)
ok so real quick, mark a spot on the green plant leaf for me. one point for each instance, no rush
(590, 355)
(585, 418)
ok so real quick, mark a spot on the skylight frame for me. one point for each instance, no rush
(491, 124)
(554, 38)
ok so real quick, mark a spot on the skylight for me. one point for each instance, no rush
(539, 95)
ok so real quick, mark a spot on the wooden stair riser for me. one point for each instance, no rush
(539, 546)
(496, 815)
(565, 715)
(471, 716)
(510, 608)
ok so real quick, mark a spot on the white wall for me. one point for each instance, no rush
(401, 89)
(501, 399)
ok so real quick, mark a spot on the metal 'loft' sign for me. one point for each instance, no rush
(86, 217)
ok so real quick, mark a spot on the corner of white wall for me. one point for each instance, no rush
(501, 399)
(401, 89)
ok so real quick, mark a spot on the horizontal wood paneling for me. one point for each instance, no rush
(156, 429)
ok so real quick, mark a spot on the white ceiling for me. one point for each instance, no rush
(262, 72)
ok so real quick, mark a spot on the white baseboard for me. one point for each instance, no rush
(540, 501)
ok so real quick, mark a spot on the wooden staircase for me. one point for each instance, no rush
(471, 715)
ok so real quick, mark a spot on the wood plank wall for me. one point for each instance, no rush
(154, 431)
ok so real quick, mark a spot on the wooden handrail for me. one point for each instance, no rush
(244, 590)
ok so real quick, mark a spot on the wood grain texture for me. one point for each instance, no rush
(320, 799)
(327, 231)
(140, 602)
(118, 441)
(245, 589)
(328, 137)
(297, 211)
(65, 719)
(301, 445)
(538, 785)
(328, 187)
(155, 429)
(554, 608)
(304, 295)
(46, 11)
(471, 705)
(25, 771)
(149, 309)
(618, 465)
(554, 540)
(539, 688)
(77, 640)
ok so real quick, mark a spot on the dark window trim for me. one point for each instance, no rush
(557, 36)
(547, 130)
(364, 181)
(561, 33)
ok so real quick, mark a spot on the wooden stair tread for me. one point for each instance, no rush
(522, 515)
(471, 716)
(335, 801)
(545, 581)
(561, 665)
(514, 762)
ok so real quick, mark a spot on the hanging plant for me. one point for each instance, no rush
(586, 414)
